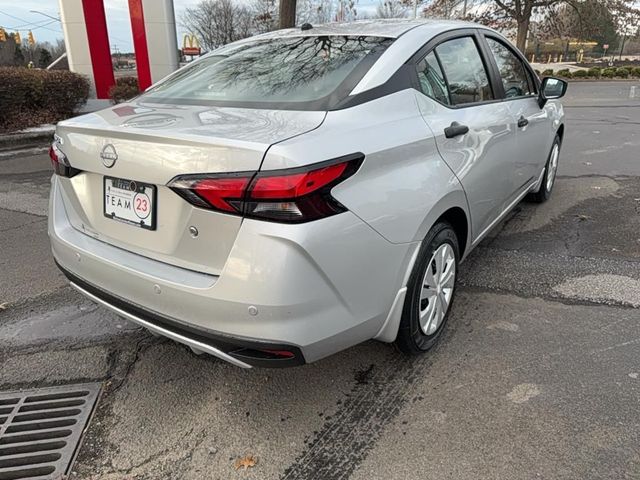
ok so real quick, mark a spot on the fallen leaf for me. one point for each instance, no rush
(3, 306)
(245, 462)
(582, 218)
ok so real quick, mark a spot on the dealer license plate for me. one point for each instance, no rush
(130, 202)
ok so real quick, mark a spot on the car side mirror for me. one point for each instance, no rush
(551, 88)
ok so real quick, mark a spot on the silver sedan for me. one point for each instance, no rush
(293, 194)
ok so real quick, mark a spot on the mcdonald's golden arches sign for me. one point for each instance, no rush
(190, 45)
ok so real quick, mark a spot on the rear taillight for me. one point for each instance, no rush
(60, 163)
(289, 196)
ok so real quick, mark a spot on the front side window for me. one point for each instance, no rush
(512, 70)
(272, 73)
(465, 73)
(431, 79)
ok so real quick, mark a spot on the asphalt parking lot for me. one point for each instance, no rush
(537, 376)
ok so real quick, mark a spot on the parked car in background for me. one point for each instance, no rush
(296, 193)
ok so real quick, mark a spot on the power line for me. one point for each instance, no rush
(47, 28)
(23, 20)
(21, 27)
(37, 24)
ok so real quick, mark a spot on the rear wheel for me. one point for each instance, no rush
(430, 291)
(549, 177)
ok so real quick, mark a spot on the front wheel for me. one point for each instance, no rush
(549, 177)
(430, 291)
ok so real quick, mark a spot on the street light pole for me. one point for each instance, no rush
(58, 20)
(46, 15)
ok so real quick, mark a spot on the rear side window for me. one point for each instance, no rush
(431, 79)
(290, 72)
(464, 70)
(512, 71)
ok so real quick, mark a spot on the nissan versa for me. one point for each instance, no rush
(295, 193)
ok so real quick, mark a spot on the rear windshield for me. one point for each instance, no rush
(287, 73)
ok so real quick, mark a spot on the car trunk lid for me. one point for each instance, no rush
(151, 144)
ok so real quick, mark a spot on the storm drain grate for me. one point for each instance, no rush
(40, 429)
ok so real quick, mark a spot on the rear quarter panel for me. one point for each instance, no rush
(403, 186)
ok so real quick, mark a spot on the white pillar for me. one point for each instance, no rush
(160, 25)
(87, 42)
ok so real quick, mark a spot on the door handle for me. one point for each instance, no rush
(522, 122)
(455, 129)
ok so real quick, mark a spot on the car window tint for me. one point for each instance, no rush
(512, 70)
(431, 79)
(466, 76)
(270, 71)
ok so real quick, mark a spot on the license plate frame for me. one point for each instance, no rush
(134, 189)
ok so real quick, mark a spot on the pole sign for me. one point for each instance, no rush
(191, 45)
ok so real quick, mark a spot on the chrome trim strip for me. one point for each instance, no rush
(503, 214)
(164, 332)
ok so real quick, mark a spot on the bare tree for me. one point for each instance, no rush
(346, 11)
(323, 11)
(218, 22)
(12, 54)
(265, 15)
(589, 20)
(315, 11)
(446, 9)
(626, 16)
(391, 9)
(519, 13)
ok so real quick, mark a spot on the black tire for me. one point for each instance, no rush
(411, 339)
(544, 193)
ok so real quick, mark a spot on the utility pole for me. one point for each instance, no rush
(624, 39)
(415, 8)
(116, 53)
(287, 13)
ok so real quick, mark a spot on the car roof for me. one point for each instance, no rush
(407, 35)
(391, 28)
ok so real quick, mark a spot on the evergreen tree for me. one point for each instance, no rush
(44, 58)
(18, 56)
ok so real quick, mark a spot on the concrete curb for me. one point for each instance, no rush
(593, 80)
(26, 139)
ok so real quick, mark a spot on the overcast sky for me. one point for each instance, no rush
(18, 16)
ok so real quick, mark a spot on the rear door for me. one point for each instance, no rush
(520, 93)
(474, 130)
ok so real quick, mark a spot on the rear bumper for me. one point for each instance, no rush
(239, 352)
(310, 289)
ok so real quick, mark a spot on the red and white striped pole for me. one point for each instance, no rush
(87, 41)
(153, 24)
(85, 33)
